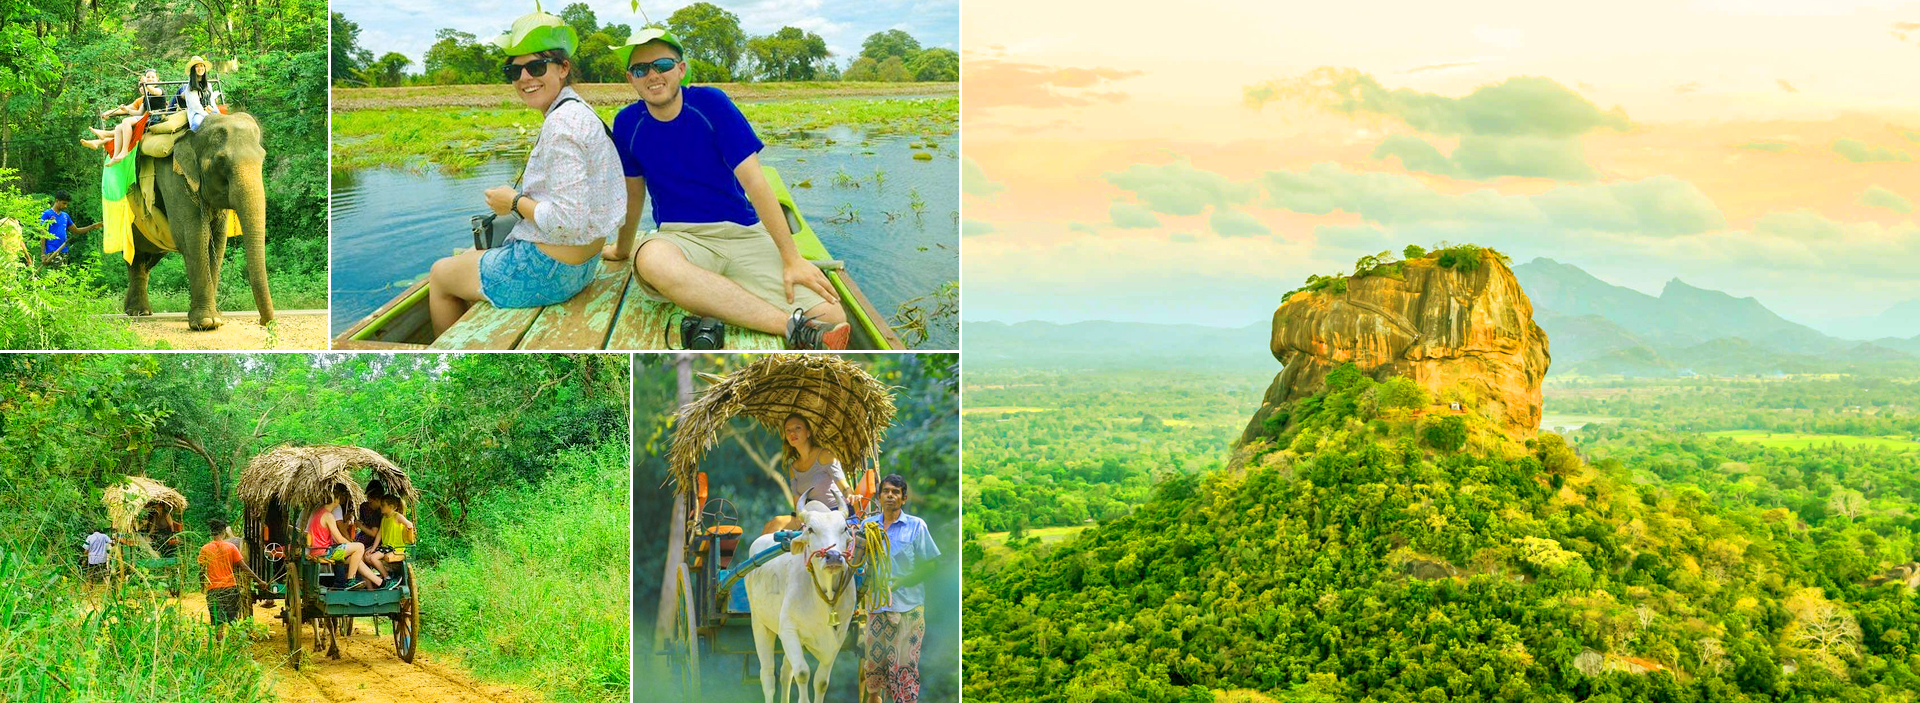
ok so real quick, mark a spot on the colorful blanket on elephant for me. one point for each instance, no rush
(127, 204)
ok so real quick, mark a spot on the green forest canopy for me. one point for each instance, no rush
(1355, 559)
(718, 51)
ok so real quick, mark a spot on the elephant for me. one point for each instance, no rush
(211, 171)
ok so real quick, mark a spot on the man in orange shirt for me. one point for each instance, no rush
(217, 560)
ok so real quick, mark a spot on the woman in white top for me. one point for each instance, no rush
(570, 200)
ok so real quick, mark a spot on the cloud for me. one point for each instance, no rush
(1662, 205)
(1179, 188)
(1784, 85)
(1234, 223)
(1485, 157)
(1687, 87)
(1861, 152)
(992, 82)
(1877, 196)
(1912, 136)
(1905, 31)
(1416, 155)
(1131, 216)
(970, 228)
(1352, 237)
(973, 181)
(1444, 66)
(1184, 238)
(1761, 145)
(1519, 106)
(1082, 228)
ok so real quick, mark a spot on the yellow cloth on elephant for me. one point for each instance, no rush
(126, 204)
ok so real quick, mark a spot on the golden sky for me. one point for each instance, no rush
(1194, 162)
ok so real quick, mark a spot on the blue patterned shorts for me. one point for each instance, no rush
(518, 275)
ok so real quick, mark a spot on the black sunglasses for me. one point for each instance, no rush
(640, 70)
(536, 67)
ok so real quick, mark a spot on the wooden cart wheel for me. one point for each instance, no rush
(406, 624)
(686, 633)
(290, 610)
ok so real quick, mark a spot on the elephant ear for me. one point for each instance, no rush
(188, 163)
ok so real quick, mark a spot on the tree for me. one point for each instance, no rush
(580, 18)
(711, 35)
(345, 55)
(893, 70)
(391, 69)
(862, 69)
(458, 57)
(1413, 251)
(893, 42)
(1822, 628)
(935, 64)
(790, 54)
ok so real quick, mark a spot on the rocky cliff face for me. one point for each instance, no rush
(1437, 326)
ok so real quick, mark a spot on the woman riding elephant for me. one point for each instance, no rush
(571, 200)
(141, 113)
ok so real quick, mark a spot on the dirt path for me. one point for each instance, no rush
(368, 670)
(298, 330)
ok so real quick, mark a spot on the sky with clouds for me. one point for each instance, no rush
(1197, 166)
(408, 26)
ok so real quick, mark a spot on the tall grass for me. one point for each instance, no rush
(58, 644)
(542, 597)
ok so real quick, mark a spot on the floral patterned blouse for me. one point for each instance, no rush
(574, 174)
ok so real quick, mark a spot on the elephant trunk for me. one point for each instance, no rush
(250, 202)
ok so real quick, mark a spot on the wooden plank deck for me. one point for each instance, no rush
(610, 314)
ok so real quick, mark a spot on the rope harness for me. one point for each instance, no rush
(839, 584)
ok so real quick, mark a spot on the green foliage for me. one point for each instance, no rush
(879, 46)
(542, 556)
(345, 57)
(69, 642)
(1413, 251)
(1464, 258)
(457, 57)
(789, 54)
(49, 308)
(1448, 434)
(1403, 392)
(935, 64)
(712, 35)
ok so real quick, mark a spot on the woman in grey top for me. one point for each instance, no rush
(813, 473)
(571, 199)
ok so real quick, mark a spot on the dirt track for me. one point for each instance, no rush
(367, 671)
(299, 330)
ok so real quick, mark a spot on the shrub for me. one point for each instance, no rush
(1449, 434)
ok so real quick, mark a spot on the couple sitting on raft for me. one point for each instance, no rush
(721, 248)
(369, 544)
(152, 111)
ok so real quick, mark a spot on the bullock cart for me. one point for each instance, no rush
(281, 490)
(148, 551)
(707, 608)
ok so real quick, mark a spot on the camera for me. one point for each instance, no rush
(702, 333)
(489, 231)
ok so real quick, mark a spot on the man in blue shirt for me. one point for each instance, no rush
(895, 631)
(721, 246)
(59, 225)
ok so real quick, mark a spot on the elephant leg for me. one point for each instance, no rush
(190, 233)
(143, 262)
(216, 256)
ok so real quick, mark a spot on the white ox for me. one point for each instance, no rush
(806, 600)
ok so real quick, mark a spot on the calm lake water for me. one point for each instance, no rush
(390, 225)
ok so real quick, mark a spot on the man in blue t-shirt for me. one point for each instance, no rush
(59, 225)
(721, 246)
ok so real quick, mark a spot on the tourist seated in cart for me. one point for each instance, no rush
(217, 560)
(813, 473)
(161, 529)
(396, 532)
(325, 542)
(895, 630)
(366, 530)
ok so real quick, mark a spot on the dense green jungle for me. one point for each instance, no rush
(922, 445)
(1691, 539)
(69, 61)
(521, 462)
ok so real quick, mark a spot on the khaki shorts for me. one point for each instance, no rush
(743, 254)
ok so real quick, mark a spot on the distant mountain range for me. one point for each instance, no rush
(1593, 328)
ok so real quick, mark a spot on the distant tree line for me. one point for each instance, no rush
(718, 51)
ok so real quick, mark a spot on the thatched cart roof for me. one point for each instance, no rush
(126, 500)
(848, 410)
(303, 478)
